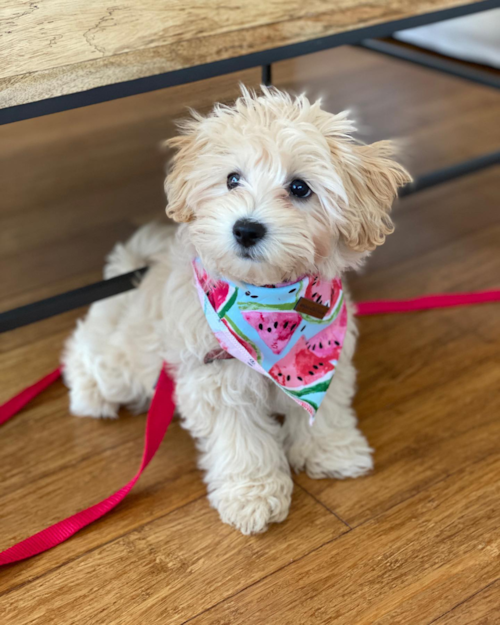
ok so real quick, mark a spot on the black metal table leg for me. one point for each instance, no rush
(267, 78)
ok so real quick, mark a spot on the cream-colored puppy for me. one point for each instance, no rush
(323, 200)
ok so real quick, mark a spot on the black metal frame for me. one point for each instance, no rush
(459, 170)
(45, 308)
(431, 62)
(362, 37)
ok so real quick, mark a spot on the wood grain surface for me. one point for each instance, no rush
(414, 564)
(54, 47)
(483, 608)
(414, 543)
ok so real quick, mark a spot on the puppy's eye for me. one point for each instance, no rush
(299, 188)
(233, 180)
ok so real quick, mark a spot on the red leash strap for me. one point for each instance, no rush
(14, 405)
(445, 300)
(159, 417)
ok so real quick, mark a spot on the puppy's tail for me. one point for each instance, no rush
(149, 242)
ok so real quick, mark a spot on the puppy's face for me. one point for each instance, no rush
(274, 188)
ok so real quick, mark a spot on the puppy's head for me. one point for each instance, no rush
(273, 187)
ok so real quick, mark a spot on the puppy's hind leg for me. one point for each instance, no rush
(112, 357)
(80, 360)
(106, 365)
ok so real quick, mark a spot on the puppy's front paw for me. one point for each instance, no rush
(328, 458)
(250, 505)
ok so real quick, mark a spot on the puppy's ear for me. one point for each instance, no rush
(371, 180)
(177, 181)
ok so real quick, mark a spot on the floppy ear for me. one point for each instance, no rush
(177, 180)
(371, 179)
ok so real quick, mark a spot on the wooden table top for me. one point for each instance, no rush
(56, 47)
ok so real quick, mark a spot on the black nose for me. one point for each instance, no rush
(248, 232)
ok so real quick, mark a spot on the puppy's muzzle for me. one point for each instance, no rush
(248, 233)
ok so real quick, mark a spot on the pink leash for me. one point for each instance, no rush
(160, 416)
(17, 403)
(444, 300)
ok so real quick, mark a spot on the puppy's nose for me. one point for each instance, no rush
(248, 232)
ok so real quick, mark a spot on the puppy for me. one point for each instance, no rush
(323, 200)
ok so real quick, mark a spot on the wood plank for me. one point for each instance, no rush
(483, 608)
(57, 198)
(475, 262)
(183, 563)
(456, 122)
(48, 268)
(427, 354)
(44, 438)
(408, 566)
(443, 215)
(23, 366)
(51, 48)
(425, 379)
(170, 482)
(417, 442)
(78, 155)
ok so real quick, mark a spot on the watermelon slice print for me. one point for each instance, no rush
(336, 289)
(222, 297)
(320, 291)
(220, 294)
(326, 293)
(217, 294)
(274, 328)
(328, 343)
(301, 367)
(242, 340)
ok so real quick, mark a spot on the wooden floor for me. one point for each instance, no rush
(418, 541)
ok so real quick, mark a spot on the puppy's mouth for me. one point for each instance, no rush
(248, 255)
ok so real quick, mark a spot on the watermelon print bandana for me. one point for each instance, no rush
(269, 329)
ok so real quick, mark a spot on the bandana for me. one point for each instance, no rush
(292, 333)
